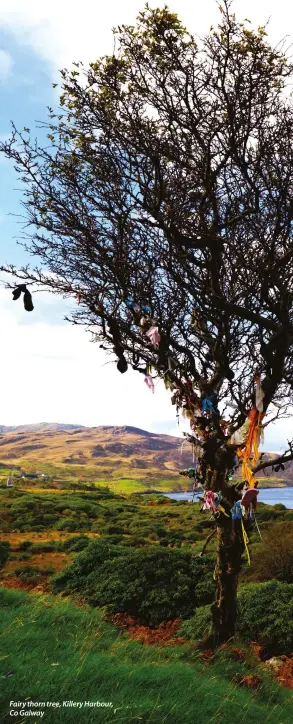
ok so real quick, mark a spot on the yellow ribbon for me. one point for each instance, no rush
(245, 540)
(220, 507)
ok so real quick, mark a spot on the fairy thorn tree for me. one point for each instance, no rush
(164, 201)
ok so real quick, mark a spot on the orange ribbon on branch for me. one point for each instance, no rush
(252, 445)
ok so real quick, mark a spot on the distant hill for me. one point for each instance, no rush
(106, 452)
(102, 453)
(40, 427)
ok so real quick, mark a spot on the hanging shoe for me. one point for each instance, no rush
(27, 301)
(122, 365)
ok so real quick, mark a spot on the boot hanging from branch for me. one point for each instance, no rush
(27, 297)
(118, 348)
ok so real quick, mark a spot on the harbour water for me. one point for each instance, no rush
(271, 496)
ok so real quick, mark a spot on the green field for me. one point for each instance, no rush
(58, 652)
(55, 648)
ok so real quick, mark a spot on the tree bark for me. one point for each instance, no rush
(230, 549)
(228, 566)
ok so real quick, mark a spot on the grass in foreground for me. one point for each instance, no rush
(60, 652)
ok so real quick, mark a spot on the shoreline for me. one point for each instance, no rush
(190, 490)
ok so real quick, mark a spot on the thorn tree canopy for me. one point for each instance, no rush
(164, 201)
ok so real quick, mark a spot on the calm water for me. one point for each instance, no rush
(271, 496)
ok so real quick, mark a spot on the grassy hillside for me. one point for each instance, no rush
(56, 652)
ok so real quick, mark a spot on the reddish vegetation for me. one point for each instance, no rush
(41, 537)
(164, 635)
(257, 650)
(237, 654)
(285, 672)
(207, 654)
(252, 681)
(20, 584)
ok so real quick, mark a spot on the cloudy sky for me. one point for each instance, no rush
(50, 370)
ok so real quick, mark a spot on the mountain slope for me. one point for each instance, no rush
(101, 453)
(98, 452)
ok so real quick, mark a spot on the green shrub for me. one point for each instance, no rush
(135, 541)
(82, 573)
(25, 557)
(199, 626)
(191, 537)
(48, 571)
(49, 519)
(265, 615)
(18, 525)
(75, 544)
(132, 542)
(161, 500)
(43, 547)
(68, 524)
(288, 515)
(267, 515)
(273, 558)
(113, 530)
(113, 539)
(96, 527)
(4, 552)
(27, 572)
(144, 532)
(150, 583)
(160, 531)
(24, 545)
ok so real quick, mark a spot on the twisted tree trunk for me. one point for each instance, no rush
(230, 548)
(228, 566)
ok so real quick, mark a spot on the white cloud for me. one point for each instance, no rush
(62, 32)
(53, 373)
(6, 65)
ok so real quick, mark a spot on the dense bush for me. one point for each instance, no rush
(152, 584)
(69, 524)
(4, 552)
(82, 574)
(265, 615)
(273, 558)
(267, 514)
(75, 543)
(25, 556)
(43, 547)
(199, 626)
(134, 541)
(25, 545)
(113, 539)
(288, 515)
(113, 530)
(23, 511)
